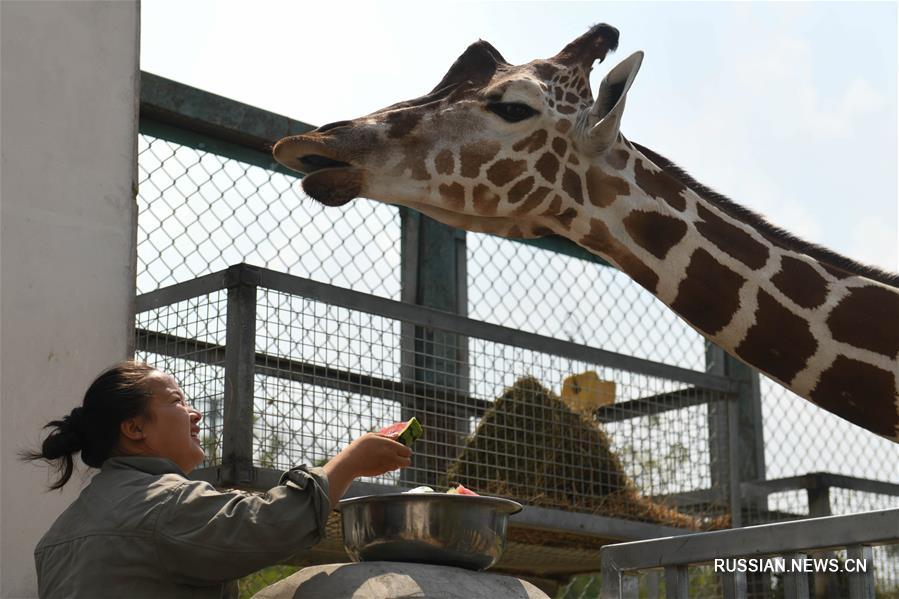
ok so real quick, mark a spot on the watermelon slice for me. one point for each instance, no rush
(403, 432)
(460, 490)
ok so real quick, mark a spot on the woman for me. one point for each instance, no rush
(142, 529)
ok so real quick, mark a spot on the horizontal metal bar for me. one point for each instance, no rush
(869, 528)
(197, 110)
(407, 394)
(433, 397)
(179, 292)
(820, 480)
(694, 498)
(446, 321)
(564, 246)
(210, 143)
(531, 517)
(553, 520)
(647, 406)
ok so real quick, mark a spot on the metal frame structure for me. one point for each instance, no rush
(791, 540)
(433, 300)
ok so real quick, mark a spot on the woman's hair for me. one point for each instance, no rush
(93, 428)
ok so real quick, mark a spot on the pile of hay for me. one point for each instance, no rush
(531, 447)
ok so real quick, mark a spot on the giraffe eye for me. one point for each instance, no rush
(511, 111)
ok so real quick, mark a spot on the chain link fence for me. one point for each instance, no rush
(200, 213)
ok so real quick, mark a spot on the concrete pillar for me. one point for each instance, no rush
(67, 237)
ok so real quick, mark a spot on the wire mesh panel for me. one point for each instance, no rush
(544, 292)
(186, 339)
(523, 422)
(200, 212)
(537, 290)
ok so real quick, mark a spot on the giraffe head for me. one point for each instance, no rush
(494, 147)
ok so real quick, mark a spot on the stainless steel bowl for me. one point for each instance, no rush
(432, 528)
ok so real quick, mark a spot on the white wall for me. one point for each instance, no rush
(67, 216)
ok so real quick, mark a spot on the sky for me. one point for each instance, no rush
(787, 108)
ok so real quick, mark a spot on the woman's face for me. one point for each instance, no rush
(173, 429)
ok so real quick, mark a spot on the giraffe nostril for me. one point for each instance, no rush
(330, 126)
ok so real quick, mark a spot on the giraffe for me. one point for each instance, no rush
(525, 151)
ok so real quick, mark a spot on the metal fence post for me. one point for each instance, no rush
(736, 445)
(818, 492)
(240, 352)
(434, 274)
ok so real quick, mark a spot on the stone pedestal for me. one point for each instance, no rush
(397, 580)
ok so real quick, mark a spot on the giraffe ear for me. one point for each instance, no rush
(604, 119)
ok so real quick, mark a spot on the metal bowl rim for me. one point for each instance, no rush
(500, 503)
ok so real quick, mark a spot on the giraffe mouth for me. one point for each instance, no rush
(327, 180)
(315, 162)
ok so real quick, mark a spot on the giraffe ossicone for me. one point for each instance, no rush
(525, 151)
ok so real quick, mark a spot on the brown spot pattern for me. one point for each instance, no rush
(532, 142)
(444, 163)
(654, 232)
(548, 166)
(520, 189)
(566, 109)
(600, 240)
(554, 207)
(566, 217)
(800, 282)
(779, 343)
(533, 200)
(560, 146)
(602, 189)
(868, 318)
(660, 185)
(861, 393)
(571, 184)
(473, 156)
(563, 126)
(454, 195)
(484, 200)
(731, 239)
(618, 159)
(708, 297)
(572, 159)
(401, 122)
(505, 170)
(416, 165)
(571, 98)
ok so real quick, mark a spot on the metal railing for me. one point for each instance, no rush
(211, 196)
(788, 540)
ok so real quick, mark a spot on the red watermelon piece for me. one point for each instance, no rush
(403, 432)
(461, 490)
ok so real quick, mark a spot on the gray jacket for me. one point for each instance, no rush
(142, 529)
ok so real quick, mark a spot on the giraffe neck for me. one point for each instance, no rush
(819, 330)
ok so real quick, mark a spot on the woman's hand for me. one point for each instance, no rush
(369, 455)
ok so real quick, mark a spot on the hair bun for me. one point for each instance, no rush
(76, 424)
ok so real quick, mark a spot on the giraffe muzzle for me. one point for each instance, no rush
(315, 162)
